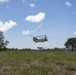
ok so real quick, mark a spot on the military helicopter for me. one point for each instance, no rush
(41, 38)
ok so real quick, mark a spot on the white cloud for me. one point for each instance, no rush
(26, 32)
(1, 1)
(74, 33)
(32, 5)
(7, 25)
(67, 3)
(35, 18)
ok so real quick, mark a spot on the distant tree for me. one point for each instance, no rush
(3, 42)
(71, 43)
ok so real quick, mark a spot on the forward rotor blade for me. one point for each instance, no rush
(31, 35)
(40, 36)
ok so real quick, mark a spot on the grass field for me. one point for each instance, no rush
(37, 63)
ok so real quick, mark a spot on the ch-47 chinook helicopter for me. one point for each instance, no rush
(41, 38)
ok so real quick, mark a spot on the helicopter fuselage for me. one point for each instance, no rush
(39, 40)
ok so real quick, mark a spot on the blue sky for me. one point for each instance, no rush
(53, 18)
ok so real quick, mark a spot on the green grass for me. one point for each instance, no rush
(37, 63)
